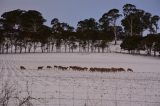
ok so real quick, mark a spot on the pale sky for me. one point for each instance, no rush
(72, 11)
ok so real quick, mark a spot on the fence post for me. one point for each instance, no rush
(116, 90)
(59, 91)
(73, 92)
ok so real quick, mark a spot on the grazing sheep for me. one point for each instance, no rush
(40, 67)
(49, 67)
(22, 68)
(129, 70)
(77, 68)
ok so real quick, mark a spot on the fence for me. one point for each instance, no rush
(114, 89)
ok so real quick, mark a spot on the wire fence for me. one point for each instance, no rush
(114, 89)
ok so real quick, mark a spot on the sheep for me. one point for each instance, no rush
(22, 68)
(49, 67)
(129, 70)
(40, 67)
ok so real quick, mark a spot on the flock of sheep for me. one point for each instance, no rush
(78, 68)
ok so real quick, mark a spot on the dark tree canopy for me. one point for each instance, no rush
(25, 31)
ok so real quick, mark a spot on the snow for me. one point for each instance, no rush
(53, 87)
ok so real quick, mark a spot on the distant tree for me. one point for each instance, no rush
(149, 43)
(2, 40)
(120, 33)
(104, 39)
(151, 22)
(66, 33)
(12, 19)
(43, 37)
(11, 23)
(113, 15)
(131, 43)
(157, 44)
(88, 29)
(154, 21)
(104, 23)
(57, 29)
(147, 22)
(127, 22)
(108, 22)
(32, 20)
(136, 21)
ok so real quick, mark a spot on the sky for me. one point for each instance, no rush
(72, 11)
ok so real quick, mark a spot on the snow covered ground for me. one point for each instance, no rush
(52, 87)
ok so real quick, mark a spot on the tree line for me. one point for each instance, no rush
(24, 32)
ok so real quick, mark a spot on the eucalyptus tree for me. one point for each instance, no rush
(136, 21)
(69, 37)
(2, 40)
(12, 19)
(32, 21)
(147, 22)
(88, 29)
(157, 44)
(129, 15)
(138, 25)
(131, 43)
(11, 22)
(103, 40)
(104, 23)
(44, 33)
(66, 33)
(149, 42)
(61, 33)
(154, 21)
(150, 22)
(113, 15)
(55, 31)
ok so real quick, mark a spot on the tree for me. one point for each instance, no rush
(67, 31)
(147, 22)
(149, 43)
(104, 23)
(43, 37)
(151, 22)
(18, 25)
(127, 22)
(131, 43)
(103, 39)
(61, 32)
(87, 28)
(113, 15)
(136, 21)
(154, 21)
(11, 23)
(12, 19)
(56, 33)
(2, 40)
(157, 44)
(32, 20)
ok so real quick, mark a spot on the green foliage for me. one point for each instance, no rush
(21, 29)
(131, 43)
(151, 42)
(157, 44)
(87, 29)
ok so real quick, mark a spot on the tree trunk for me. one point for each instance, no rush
(115, 35)
(88, 45)
(131, 27)
(65, 47)
(52, 47)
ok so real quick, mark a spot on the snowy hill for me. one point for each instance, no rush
(54, 87)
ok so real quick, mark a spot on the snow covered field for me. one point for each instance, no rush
(52, 87)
